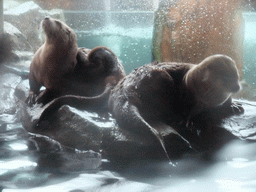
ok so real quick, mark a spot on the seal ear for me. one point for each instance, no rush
(81, 57)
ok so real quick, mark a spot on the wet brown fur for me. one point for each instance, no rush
(97, 72)
(164, 93)
(55, 58)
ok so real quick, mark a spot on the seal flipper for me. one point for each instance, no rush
(79, 102)
(131, 120)
(46, 96)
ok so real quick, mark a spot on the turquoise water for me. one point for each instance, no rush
(127, 33)
(132, 46)
(249, 60)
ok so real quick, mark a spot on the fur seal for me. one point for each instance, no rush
(55, 58)
(212, 82)
(97, 72)
(160, 93)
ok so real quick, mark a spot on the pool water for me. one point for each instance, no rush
(249, 59)
(233, 167)
(132, 46)
(127, 33)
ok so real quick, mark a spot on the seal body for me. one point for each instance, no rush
(96, 73)
(55, 58)
(164, 93)
(94, 70)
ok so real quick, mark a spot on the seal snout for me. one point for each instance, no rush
(47, 24)
(235, 88)
(47, 18)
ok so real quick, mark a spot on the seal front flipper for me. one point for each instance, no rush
(230, 108)
(46, 96)
(31, 99)
(237, 108)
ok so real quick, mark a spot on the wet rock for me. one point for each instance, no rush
(14, 46)
(6, 51)
(8, 83)
(78, 161)
(243, 126)
(28, 180)
(30, 15)
(7, 152)
(24, 177)
(90, 131)
(13, 135)
(189, 31)
(71, 127)
(22, 89)
(18, 41)
(28, 36)
(69, 161)
(55, 157)
(9, 4)
(20, 67)
(85, 130)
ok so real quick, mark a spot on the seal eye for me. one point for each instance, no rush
(68, 32)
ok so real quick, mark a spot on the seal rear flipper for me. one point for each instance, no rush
(129, 118)
(80, 102)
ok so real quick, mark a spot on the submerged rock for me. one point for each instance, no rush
(28, 180)
(55, 157)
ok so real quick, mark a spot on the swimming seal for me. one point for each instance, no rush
(55, 58)
(160, 93)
